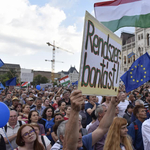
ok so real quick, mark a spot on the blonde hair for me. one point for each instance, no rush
(113, 137)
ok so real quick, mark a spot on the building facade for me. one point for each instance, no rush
(72, 73)
(133, 46)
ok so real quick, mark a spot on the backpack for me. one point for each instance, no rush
(2, 143)
(20, 123)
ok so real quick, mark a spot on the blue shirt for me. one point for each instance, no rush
(138, 140)
(89, 118)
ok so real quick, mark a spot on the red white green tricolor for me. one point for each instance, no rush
(25, 84)
(123, 13)
(65, 81)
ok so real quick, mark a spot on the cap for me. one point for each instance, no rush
(15, 98)
(30, 99)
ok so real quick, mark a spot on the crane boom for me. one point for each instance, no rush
(53, 60)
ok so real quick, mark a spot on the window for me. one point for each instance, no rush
(124, 59)
(138, 37)
(128, 60)
(133, 58)
(141, 36)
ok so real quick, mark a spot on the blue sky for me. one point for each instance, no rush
(26, 26)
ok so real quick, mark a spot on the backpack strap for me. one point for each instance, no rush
(136, 129)
(20, 123)
(5, 127)
(43, 141)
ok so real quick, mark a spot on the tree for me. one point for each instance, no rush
(9, 75)
(40, 79)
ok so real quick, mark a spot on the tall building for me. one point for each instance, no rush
(133, 46)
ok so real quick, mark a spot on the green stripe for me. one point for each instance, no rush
(142, 21)
(66, 83)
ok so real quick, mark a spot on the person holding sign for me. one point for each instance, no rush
(69, 133)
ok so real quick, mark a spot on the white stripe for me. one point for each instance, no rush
(64, 80)
(108, 13)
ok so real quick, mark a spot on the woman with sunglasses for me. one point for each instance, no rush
(28, 139)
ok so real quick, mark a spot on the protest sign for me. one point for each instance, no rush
(100, 59)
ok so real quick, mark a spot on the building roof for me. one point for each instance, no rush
(11, 66)
(71, 69)
(126, 36)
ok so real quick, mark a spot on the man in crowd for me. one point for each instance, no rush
(15, 102)
(8, 100)
(30, 102)
(99, 113)
(123, 104)
(11, 129)
(66, 98)
(39, 108)
(70, 135)
(134, 129)
(132, 100)
(90, 108)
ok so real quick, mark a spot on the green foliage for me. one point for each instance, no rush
(39, 79)
(9, 75)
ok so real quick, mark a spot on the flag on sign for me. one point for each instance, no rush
(123, 13)
(25, 84)
(11, 82)
(1, 63)
(138, 74)
(65, 81)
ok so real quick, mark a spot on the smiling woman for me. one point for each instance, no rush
(28, 139)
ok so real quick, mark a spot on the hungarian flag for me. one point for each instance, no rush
(123, 13)
(25, 84)
(65, 81)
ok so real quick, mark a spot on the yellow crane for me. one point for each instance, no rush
(53, 56)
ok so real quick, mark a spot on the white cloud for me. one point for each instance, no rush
(26, 28)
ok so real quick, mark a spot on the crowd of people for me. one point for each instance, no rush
(63, 118)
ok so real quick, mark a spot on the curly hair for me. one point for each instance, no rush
(45, 110)
(19, 139)
(113, 137)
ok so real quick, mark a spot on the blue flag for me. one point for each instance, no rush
(138, 74)
(11, 82)
(1, 63)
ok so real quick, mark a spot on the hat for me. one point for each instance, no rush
(15, 98)
(30, 99)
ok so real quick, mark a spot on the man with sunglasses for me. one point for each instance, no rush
(11, 130)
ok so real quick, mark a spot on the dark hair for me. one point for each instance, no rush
(30, 114)
(55, 126)
(136, 109)
(19, 140)
(45, 110)
(59, 103)
(67, 107)
(57, 114)
(17, 106)
(129, 106)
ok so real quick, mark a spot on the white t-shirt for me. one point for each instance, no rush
(146, 134)
(122, 107)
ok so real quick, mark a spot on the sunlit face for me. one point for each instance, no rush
(49, 112)
(34, 117)
(123, 131)
(28, 134)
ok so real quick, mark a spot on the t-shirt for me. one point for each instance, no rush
(122, 107)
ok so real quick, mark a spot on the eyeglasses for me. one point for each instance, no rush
(27, 133)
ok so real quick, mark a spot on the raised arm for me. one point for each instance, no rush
(72, 127)
(106, 121)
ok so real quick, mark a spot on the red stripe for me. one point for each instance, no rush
(114, 3)
(63, 78)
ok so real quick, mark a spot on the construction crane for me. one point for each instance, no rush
(53, 59)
